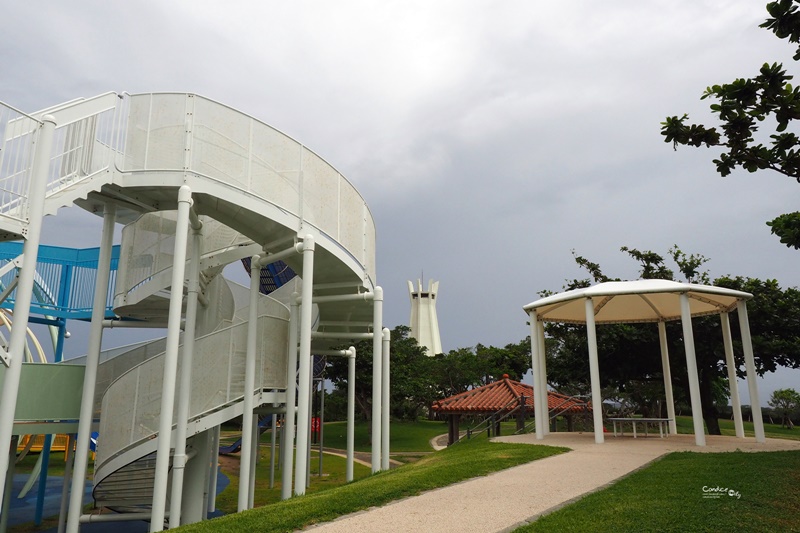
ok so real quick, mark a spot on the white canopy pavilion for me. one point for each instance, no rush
(647, 300)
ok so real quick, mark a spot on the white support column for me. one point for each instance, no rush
(211, 454)
(750, 367)
(196, 479)
(351, 411)
(691, 366)
(273, 424)
(594, 371)
(377, 377)
(304, 373)
(535, 371)
(164, 444)
(185, 389)
(8, 482)
(246, 455)
(213, 465)
(30, 250)
(291, 398)
(733, 383)
(254, 457)
(662, 340)
(310, 416)
(90, 377)
(387, 335)
(69, 460)
(543, 381)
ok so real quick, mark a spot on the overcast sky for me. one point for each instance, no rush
(490, 139)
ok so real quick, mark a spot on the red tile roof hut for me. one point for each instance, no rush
(502, 398)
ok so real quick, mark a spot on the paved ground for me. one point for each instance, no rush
(505, 500)
(23, 509)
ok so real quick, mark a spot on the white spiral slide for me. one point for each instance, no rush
(199, 185)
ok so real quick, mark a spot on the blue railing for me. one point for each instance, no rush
(65, 280)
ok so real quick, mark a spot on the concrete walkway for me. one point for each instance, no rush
(507, 499)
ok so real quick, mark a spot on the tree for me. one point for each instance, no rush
(412, 382)
(456, 371)
(742, 106)
(774, 315)
(787, 228)
(786, 402)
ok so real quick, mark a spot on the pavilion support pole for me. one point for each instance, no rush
(733, 383)
(750, 366)
(544, 397)
(691, 367)
(543, 381)
(594, 371)
(450, 424)
(662, 339)
(535, 369)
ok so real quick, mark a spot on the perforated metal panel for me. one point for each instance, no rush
(189, 133)
(131, 405)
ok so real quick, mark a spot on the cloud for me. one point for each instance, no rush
(489, 139)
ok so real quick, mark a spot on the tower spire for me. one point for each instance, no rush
(424, 323)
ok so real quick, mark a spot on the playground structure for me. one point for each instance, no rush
(169, 166)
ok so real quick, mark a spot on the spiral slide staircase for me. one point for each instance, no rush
(162, 164)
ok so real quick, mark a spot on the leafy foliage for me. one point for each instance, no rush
(630, 356)
(787, 228)
(742, 106)
(418, 380)
(785, 402)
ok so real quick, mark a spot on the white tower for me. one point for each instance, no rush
(424, 322)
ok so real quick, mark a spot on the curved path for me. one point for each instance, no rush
(507, 499)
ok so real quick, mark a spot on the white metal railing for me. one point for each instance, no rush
(147, 251)
(87, 145)
(166, 132)
(131, 405)
(170, 132)
(18, 136)
(89, 137)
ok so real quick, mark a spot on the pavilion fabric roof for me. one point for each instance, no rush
(644, 300)
(503, 394)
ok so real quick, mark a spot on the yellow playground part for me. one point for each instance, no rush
(59, 443)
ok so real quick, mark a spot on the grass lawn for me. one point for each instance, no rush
(404, 436)
(674, 495)
(333, 470)
(667, 496)
(467, 460)
(775, 431)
